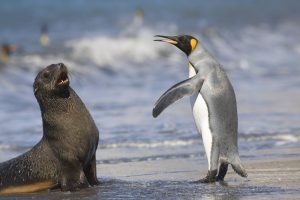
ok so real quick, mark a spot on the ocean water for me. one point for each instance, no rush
(119, 72)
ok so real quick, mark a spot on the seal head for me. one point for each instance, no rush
(52, 81)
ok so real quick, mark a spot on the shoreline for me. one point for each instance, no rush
(272, 174)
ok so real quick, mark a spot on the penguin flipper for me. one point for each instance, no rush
(185, 88)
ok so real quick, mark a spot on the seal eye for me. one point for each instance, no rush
(46, 74)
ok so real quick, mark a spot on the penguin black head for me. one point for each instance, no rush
(186, 43)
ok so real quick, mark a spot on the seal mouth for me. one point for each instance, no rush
(62, 80)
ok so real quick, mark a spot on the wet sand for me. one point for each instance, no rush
(272, 174)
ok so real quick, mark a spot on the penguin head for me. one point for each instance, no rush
(185, 43)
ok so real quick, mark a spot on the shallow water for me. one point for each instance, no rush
(119, 72)
(115, 189)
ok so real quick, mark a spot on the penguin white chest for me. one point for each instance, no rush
(201, 117)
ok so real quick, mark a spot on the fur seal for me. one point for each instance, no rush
(65, 156)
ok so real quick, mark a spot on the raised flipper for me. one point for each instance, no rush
(185, 88)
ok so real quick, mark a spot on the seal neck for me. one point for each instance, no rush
(55, 104)
(64, 115)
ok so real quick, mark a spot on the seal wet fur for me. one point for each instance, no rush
(65, 156)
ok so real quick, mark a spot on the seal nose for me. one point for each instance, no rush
(61, 65)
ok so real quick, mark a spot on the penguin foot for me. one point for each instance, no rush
(219, 179)
(209, 178)
(222, 172)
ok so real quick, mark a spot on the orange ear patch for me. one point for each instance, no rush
(193, 43)
(28, 188)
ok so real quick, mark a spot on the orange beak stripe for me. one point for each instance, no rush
(170, 41)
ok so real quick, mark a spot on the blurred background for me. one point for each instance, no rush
(119, 71)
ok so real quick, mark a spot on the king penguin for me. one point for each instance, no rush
(213, 105)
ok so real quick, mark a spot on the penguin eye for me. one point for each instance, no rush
(46, 74)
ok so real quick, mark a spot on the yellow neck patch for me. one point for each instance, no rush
(193, 43)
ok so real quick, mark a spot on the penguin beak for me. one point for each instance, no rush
(168, 39)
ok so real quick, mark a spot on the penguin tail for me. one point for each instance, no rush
(238, 167)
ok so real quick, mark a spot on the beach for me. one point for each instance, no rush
(269, 177)
(119, 72)
(272, 174)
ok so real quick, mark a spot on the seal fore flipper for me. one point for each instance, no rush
(187, 87)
